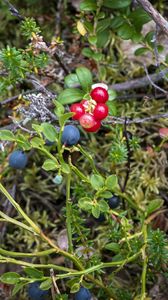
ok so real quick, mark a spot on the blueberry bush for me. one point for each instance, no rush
(83, 150)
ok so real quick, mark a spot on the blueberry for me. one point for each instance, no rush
(101, 218)
(70, 135)
(114, 202)
(18, 159)
(83, 294)
(35, 293)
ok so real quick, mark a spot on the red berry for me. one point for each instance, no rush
(95, 127)
(99, 94)
(78, 110)
(84, 103)
(101, 111)
(87, 120)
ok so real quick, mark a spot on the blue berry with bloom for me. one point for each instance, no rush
(18, 159)
(35, 293)
(83, 294)
(70, 135)
(114, 202)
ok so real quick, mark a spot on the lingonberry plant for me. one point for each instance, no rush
(82, 186)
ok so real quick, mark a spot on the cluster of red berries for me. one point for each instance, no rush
(91, 112)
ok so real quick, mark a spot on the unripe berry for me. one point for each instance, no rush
(95, 127)
(78, 110)
(70, 135)
(99, 94)
(101, 111)
(18, 159)
(87, 121)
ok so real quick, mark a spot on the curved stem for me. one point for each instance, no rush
(68, 213)
(20, 254)
(89, 157)
(145, 263)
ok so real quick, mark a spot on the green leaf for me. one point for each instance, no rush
(105, 194)
(92, 39)
(87, 52)
(64, 118)
(117, 22)
(103, 38)
(88, 5)
(97, 181)
(126, 31)
(154, 205)
(139, 17)
(112, 108)
(103, 24)
(37, 128)
(75, 288)
(113, 247)
(103, 206)
(71, 81)
(49, 132)
(10, 278)
(49, 165)
(46, 285)
(111, 182)
(97, 56)
(116, 3)
(22, 142)
(59, 110)
(65, 168)
(6, 135)
(18, 286)
(85, 203)
(141, 51)
(112, 95)
(95, 211)
(85, 78)
(69, 96)
(33, 273)
(36, 142)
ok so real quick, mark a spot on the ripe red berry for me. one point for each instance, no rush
(78, 110)
(99, 94)
(84, 103)
(101, 111)
(87, 120)
(95, 127)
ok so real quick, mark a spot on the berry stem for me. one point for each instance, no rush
(68, 213)
(89, 157)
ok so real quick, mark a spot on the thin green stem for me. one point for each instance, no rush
(89, 157)
(19, 209)
(20, 254)
(68, 213)
(13, 221)
(145, 264)
(38, 266)
(49, 155)
(79, 173)
(59, 145)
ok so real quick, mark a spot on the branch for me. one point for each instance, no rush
(155, 15)
(117, 120)
(140, 82)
